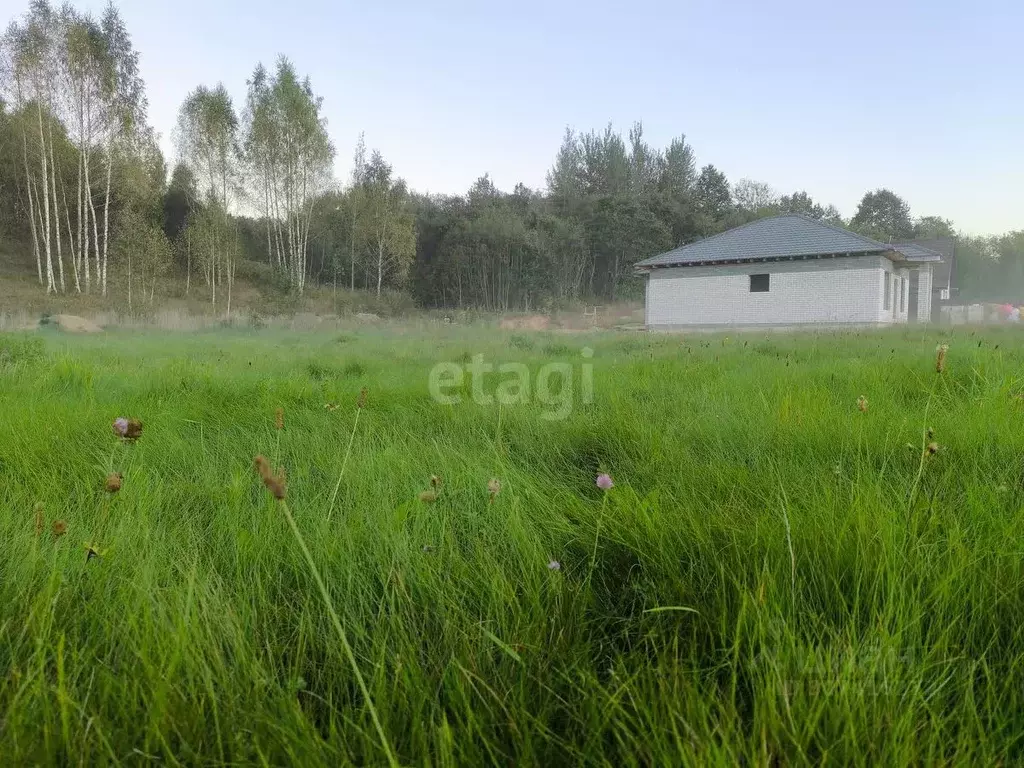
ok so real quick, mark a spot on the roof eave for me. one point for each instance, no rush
(761, 260)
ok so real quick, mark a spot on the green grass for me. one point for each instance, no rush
(776, 577)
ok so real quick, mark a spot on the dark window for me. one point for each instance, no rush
(760, 283)
(887, 305)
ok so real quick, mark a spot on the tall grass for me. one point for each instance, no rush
(776, 577)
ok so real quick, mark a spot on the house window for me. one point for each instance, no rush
(760, 283)
(903, 295)
(887, 303)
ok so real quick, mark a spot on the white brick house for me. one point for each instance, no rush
(785, 271)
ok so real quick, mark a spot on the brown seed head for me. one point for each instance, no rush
(435, 481)
(361, 400)
(493, 487)
(428, 497)
(133, 431)
(113, 482)
(59, 528)
(276, 487)
(940, 357)
(933, 448)
(262, 465)
(862, 404)
(279, 418)
(274, 483)
(38, 511)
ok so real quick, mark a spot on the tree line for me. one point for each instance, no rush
(85, 194)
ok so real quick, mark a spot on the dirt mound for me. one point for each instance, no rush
(524, 323)
(74, 324)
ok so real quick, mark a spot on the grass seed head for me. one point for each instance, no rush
(38, 510)
(113, 482)
(129, 430)
(275, 483)
(940, 357)
(59, 528)
(932, 448)
(862, 404)
(279, 418)
(428, 497)
(262, 465)
(435, 481)
(361, 400)
(493, 487)
(554, 565)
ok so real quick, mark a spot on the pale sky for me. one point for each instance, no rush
(925, 97)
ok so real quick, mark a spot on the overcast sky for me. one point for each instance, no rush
(924, 97)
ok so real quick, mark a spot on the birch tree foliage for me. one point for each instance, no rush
(75, 83)
(289, 157)
(126, 103)
(387, 223)
(207, 143)
(140, 248)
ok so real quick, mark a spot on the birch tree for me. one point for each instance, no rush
(79, 80)
(355, 200)
(126, 103)
(206, 138)
(289, 156)
(388, 226)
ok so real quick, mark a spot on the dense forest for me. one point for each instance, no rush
(88, 201)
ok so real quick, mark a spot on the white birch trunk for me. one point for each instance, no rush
(50, 286)
(32, 212)
(56, 209)
(106, 212)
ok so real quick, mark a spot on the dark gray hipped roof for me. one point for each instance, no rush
(942, 273)
(779, 237)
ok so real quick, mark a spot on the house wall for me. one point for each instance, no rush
(899, 305)
(840, 290)
(924, 293)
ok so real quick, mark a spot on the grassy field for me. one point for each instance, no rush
(776, 577)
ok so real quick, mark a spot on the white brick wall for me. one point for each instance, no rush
(924, 293)
(841, 290)
(899, 283)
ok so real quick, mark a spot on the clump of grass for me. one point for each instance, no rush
(319, 371)
(521, 342)
(353, 370)
(557, 350)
